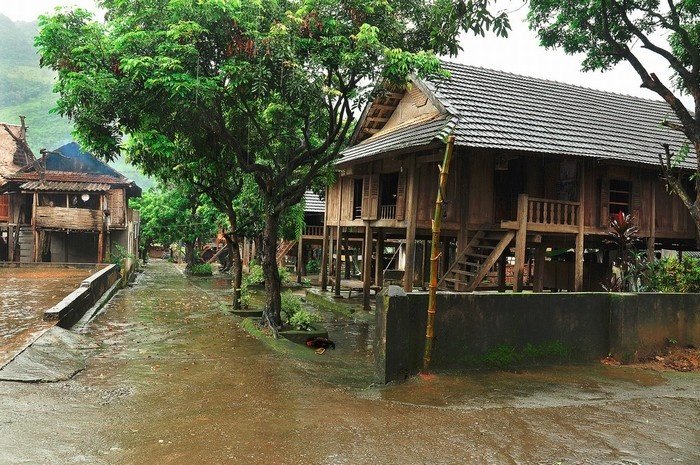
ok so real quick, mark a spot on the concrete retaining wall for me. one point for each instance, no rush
(75, 304)
(480, 329)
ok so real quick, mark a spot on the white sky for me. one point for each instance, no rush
(520, 53)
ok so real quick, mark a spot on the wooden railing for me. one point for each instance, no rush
(552, 212)
(387, 212)
(313, 231)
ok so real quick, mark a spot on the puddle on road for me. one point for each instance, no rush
(25, 293)
(177, 382)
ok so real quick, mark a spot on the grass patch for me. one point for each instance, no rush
(506, 356)
(200, 269)
(322, 303)
(280, 345)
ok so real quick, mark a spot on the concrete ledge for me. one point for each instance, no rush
(499, 330)
(74, 305)
(51, 265)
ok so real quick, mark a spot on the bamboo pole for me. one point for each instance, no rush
(435, 254)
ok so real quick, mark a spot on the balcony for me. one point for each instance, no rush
(547, 215)
(79, 219)
(313, 231)
(387, 212)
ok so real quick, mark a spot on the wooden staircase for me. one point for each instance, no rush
(283, 249)
(476, 260)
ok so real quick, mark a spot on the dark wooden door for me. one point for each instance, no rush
(508, 184)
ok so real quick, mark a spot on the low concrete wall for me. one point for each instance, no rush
(479, 329)
(75, 304)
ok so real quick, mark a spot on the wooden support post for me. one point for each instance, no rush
(538, 282)
(367, 268)
(520, 243)
(324, 251)
(35, 232)
(651, 242)
(378, 264)
(578, 266)
(346, 253)
(10, 244)
(101, 236)
(411, 214)
(338, 260)
(502, 265)
(300, 258)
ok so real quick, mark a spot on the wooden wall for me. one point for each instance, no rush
(479, 180)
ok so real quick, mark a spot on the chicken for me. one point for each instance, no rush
(320, 344)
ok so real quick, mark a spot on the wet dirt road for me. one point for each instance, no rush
(25, 293)
(177, 382)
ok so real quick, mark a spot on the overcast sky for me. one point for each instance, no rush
(520, 53)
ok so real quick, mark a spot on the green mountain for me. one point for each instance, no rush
(26, 89)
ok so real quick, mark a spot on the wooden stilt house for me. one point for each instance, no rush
(539, 168)
(66, 206)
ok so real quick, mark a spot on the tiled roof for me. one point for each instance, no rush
(313, 203)
(64, 186)
(500, 110)
(417, 132)
(69, 176)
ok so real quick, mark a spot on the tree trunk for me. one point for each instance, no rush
(189, 254)
(236, 270)
(273, 284)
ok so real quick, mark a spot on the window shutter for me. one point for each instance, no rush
(401, 197)
(374, 196)
(636, 200)
(365, 197)
(605, 202)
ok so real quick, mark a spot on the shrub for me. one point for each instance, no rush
(256, 277)
(201, 269)
(673, 275)
(291, 305)
(303, 320)
(313, 266)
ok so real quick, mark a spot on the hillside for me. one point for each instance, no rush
(26, 89)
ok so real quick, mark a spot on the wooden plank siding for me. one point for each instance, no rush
(68, 218)
(479, 172)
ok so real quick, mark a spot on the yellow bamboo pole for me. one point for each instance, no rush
(435, 254)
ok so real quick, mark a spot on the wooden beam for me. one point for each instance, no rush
(367, 268)
(324, 247)
(35, 234)
(538, 282)
(378, 265)
(377, 119)
(411, 214)
(651, 241)
(346, 253)
(300, 258)
(502, 265)
(338, 235)
(578, 266)
(520, 243)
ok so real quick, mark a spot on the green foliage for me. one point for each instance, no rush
(291, 305)
(303, 320)
(255, 276)
(673, 275)
(313, 266)
(119, 255)
(295, 315)
(171, 214)
(200, 269)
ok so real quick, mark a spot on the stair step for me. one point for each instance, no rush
(478, 255)
(464, 273)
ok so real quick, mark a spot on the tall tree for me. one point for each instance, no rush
(606, 31)
(273, 84)
(171, 213)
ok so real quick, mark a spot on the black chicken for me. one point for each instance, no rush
(321, 344)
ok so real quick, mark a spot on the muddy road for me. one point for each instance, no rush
(177, 382)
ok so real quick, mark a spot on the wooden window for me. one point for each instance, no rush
(4, 207)
(370, 196)
(620, 197)
(389, 187)
(357, 199)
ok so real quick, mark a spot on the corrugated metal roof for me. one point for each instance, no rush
(64, 186)
(313, 203)
(500, 110)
